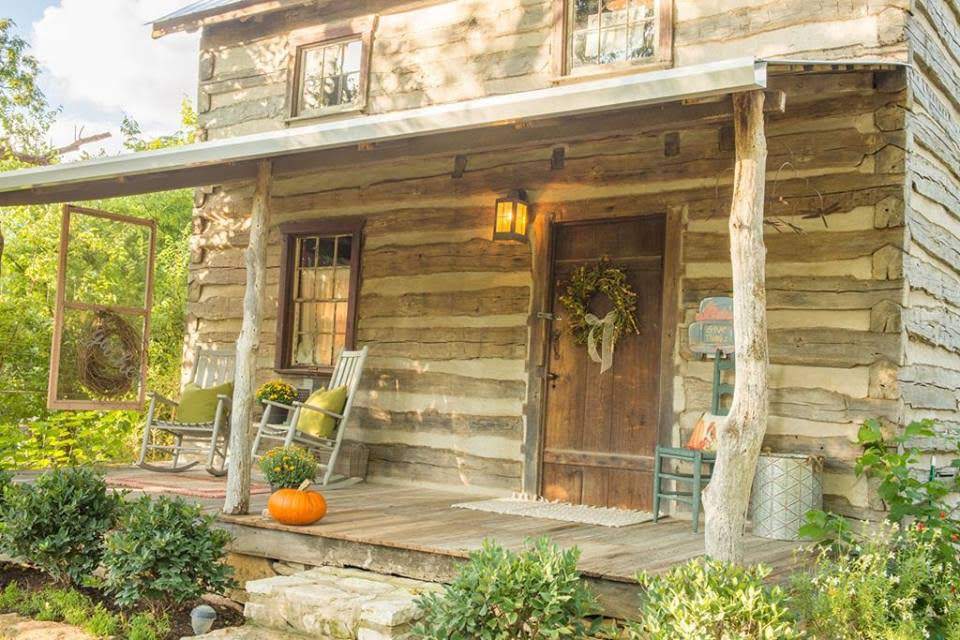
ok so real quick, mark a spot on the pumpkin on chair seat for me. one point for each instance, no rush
(297, 506)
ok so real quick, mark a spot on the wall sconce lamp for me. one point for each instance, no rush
(511, 217)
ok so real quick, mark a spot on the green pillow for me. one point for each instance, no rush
(316, 423)
(200, 405)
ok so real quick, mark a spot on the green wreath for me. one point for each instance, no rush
(601, 278)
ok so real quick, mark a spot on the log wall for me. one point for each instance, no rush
(427, 52)
(445, 310)
(930, 380)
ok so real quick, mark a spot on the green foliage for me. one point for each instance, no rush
(277, 391)
(133, 139)
(24, 113)
(147, 626)
(288, 467)
(909, 494)
(503, 595)
(600, 279)
(78, 609)
(69, 439)
(6, 479)
(165, 551)
(57, 523)
(893, 585)
(708, 599)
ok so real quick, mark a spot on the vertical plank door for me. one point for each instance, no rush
(601, 429)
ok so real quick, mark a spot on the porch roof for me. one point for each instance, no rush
(235, 158)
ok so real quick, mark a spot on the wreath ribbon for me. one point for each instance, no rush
(606, 325)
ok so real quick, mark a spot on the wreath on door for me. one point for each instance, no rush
(586, 283)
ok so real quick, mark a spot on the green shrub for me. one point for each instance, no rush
(503, 595)
(10, 597)
(288, 467)
(892, 586)
(707, 599)
(165, 551)
(6, 480)
(99, 622)
(146, 626)
(57, 523)
(69, 438)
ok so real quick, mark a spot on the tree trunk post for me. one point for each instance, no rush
(740, 434)
(255, 261)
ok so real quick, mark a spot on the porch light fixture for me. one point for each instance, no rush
(511, 217)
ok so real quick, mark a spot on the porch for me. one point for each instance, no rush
(415, 532)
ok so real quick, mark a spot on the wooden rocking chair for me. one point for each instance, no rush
(347, 372)
(212, 368)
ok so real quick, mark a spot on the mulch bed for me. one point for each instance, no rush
(33, 580)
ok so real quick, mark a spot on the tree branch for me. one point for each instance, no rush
(51, 155)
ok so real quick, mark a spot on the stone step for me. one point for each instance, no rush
(329, 603)
(247, 632)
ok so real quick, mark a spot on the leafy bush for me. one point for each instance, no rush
(6, 479)
(57, 524)
(165, 551)
(707, 599)
(892, 586)
(288, 467)
(503, 595)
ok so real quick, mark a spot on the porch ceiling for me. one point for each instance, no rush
(235, 158)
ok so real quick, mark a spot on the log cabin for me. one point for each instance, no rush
(386, 131)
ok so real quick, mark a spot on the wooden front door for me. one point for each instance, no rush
(601, 429)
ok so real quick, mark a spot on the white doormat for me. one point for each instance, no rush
(527, 507)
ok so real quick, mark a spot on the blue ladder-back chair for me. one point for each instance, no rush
(212, 368)
(697, 459)
(346, 373)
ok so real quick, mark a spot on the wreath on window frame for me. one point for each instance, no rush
(108, 355)
(600, 279)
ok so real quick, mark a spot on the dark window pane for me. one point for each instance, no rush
(641, 40)
(350, 88)
(641, 9)
(325, 252)
(308, 252)
(613, 12)
(585, 14)
(344, 246)
(331, 91)
(613, 45)
(585, 48)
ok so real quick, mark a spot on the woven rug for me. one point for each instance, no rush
(519, 505)
(180, 485)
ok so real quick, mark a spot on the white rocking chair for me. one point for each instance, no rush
(347, 372)
(212, 368)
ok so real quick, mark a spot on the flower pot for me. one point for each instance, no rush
(785, 487)
(277, 415)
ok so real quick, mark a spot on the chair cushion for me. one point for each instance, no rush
(200, 405)
(316, 423)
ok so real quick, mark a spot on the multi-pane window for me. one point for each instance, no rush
(609, 31)
(329, 76)
(322, 288)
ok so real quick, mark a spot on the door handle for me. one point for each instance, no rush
(552, 377)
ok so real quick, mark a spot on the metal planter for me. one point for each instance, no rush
(785, 487)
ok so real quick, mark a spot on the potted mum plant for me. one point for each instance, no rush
(277, 391)
(290, 470)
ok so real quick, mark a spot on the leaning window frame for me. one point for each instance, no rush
(289, 234)
(563, 68)
(321, 36)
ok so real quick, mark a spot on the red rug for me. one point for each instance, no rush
(181, 485)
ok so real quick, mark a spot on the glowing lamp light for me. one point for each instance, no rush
(511, 217)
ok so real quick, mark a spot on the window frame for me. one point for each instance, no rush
(322, 36)
(565, 71)
(289, 233)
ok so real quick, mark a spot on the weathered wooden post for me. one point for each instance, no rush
(255, 261)
(740, 434)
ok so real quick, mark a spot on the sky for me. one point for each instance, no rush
(99, 63)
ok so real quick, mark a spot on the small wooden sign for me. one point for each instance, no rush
(713, 327)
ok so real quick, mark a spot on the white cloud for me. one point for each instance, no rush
(99, 53)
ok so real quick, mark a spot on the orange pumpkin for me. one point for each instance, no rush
(297, 506)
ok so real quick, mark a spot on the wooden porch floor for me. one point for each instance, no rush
(414, 532)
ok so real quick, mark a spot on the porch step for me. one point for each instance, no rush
(330, 603)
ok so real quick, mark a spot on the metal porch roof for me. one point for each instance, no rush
(234, 158)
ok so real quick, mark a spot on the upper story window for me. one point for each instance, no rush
(617, 33)
(328, 68)
(329, 76)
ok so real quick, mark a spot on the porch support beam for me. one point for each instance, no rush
(740, 434)
(255, 261)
